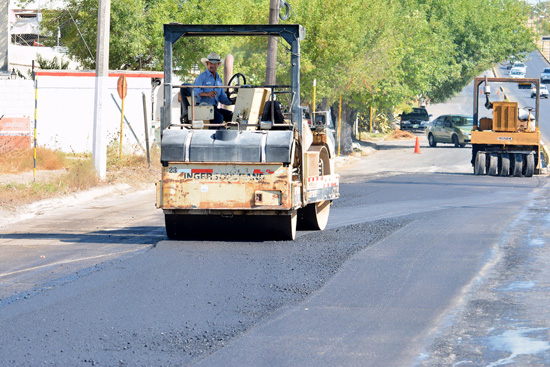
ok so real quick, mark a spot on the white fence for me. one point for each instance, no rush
(65, 108)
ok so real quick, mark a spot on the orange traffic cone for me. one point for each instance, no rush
(417, 146)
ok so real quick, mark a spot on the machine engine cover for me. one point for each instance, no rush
(184, 145)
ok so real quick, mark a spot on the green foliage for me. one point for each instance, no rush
(54, 63)
(380, 53)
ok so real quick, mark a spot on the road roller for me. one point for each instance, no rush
(266, 173)
(508, 143)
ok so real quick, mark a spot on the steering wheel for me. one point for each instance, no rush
(232, 92)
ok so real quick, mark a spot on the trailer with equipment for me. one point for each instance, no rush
(265, 171)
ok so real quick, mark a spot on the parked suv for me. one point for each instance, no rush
(455, 129)
(545, 75)
(417, 119)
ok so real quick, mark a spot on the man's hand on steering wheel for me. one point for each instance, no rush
(235, 81)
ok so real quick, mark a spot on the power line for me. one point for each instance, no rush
(81, 36)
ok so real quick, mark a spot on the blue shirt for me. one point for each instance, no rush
(206, 78)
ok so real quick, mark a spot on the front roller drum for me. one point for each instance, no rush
(237, 227)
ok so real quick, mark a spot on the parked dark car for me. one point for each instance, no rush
(416, 119)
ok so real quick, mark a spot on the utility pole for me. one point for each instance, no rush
(271, 67)
(4, 36)
(99, 151)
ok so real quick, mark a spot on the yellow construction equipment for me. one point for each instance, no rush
(508, 143)
(266, 171)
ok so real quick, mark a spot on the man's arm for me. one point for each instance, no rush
(198, 81)
(223, 98)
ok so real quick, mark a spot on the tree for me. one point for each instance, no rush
(54, 63)
(373, 53)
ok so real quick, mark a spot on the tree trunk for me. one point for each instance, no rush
(348, 117)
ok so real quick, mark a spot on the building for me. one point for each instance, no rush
(20, 39)
(64, 107)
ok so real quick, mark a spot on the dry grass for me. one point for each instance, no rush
(23, 160)
(400, 135)
(62, 174)
(392, 135)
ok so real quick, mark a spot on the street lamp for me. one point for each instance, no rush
(13, 74)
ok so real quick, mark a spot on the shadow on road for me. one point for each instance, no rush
(145, 235)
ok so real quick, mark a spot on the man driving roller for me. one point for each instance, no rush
(212, 96)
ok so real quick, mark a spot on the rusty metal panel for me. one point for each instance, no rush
(312, 163)
(321, 138)
(267, 197)
(485, 124)
(505, 116)
(249, 105)
(505, 138)
(158, 189)
(225, 186)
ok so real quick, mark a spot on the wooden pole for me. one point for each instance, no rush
(122, 89)
(121, 126)
(271, 66)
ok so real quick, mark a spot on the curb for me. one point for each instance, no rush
(40, 207)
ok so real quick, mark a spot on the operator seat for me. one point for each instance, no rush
(184, 98)
(278, 114)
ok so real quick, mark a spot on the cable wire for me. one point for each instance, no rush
(284, 4)
(81, 36)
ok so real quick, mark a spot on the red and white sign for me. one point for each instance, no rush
(15, 133)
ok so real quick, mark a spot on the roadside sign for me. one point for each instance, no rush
(122, 87)
(15, 133)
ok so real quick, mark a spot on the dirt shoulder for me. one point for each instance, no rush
(16, 206)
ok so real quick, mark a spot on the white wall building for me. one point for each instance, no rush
(65, 110)
(65, 99)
